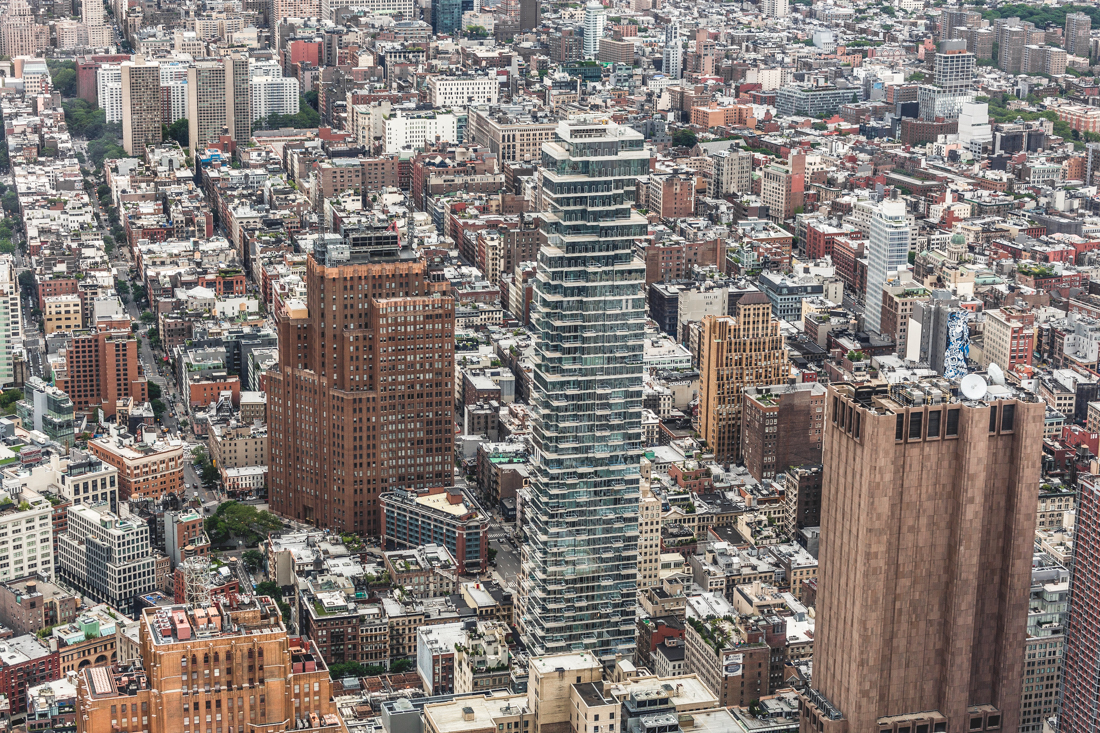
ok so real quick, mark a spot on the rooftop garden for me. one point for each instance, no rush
(1039, 271)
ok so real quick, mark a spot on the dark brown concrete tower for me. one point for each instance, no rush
(362, 402)
(927, 522)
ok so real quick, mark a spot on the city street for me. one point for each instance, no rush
(507, 569)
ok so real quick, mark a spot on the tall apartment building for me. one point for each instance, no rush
(899, 299)
(672, 55)
(109, 91)
(733, 172)
(447, 15)
(782, 187)
(274, 95)
(928, 502)
(363, 400)
(47, 409)
(1044, 655)
(92, 15)
(1080, 704)
(1012, 38)
(954, 83)
(782, 425)
(952, 20)
(887, 250)
(238, 98)
(649, 539)
(100, 367)
(578, 580)
(206, 103)
(594, 21)
(802, 499)
(18, 31)
(105, 556)
(775, 8)
(141, 104)
(1043, 60)
(11, 320)
(528, 14)
(88, 480)
(281, 9)
(219, 100)
(738, 351)
(1078, 26)
(234, 654)
(1009, 338)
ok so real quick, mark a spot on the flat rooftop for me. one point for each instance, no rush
(474, 713)
(567, 662)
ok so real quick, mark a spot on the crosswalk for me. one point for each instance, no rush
(498, 535)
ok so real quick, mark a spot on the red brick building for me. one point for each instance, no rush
(821, 234)
(102, 367)
(28, 662)
(672, 196)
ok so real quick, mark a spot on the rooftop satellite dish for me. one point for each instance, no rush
(972, 386)
(995, 374)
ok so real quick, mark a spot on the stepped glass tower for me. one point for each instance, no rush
(578, 577)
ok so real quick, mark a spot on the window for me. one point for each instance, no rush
(993, 419)
(915, 420)
(899, 427)
(1008, 417)
(952, 430)
(933, 431)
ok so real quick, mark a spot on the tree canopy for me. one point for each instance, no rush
(306, 118)
(234, 520)
(178, 131)
(1042, 15)
(684, 138)
(64, 76)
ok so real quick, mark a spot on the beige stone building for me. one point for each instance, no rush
(236, 446)
(511, 138)
(62, 313)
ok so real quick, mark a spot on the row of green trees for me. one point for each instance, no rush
(1043, 15)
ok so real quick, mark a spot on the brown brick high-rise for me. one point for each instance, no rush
(230, 661)
(737, 352)
(927, 524)
(362, 402)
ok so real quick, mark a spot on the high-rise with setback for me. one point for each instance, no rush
(928, 511)
(737, 351)
(578, 575)
(954, 67)
(362, 401)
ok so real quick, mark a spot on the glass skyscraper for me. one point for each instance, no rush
(447, 15)
(578, 577)
(887, 251)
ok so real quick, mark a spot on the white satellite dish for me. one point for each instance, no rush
(995, 373)
(972, 386)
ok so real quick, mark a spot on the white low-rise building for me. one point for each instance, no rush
(411, 130)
